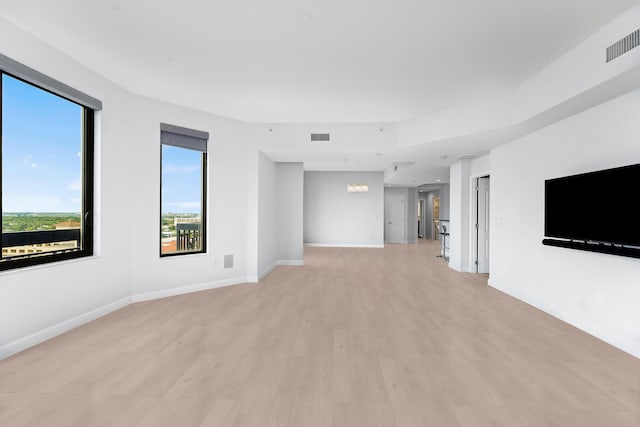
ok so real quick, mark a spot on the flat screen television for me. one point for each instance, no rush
(596, 211)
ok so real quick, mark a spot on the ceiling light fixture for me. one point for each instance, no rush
(358, 188)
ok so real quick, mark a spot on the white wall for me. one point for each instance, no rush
(290, 208)
(267, 216)
(37, 303)
(458, 216)
(598, 293)
(226, 202)
(333, 217)
(412, 216)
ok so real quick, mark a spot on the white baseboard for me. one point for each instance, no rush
(267, 270)
(297, 262)
(36, 338)
(188, 289)
(341, 245)
(263, 273)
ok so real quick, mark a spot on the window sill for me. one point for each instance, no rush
(49, 265)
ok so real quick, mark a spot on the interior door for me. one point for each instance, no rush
(482, 225)
(395, 218)
(421, 218)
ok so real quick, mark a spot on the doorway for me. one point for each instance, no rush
(395, 218)
(420, 218)
(482, 221)
(436, 218)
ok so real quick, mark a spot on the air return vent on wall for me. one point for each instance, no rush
(319, 137)
(623, 45)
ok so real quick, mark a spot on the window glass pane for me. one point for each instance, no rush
(181, 200)
(41, 171)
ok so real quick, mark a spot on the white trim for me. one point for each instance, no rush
(146, 296)
(263, 274)
(36, 338)
(341, 245)
(290, 262)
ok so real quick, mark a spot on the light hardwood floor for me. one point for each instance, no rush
(356, 337)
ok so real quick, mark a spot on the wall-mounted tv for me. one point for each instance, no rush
(596, 211)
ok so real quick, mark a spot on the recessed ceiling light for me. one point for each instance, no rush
(378, 154)
(437, 180)
(381, 129)
(305, 18)
(444, 157)
(388, 185)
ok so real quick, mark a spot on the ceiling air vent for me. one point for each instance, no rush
(623, 45)
(319, 137)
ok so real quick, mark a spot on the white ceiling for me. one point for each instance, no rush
(358, 66)
(312, 60)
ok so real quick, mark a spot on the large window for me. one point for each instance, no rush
(183, 193)
(46, 179)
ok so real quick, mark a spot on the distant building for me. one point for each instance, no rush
(186, 220)
(70, 224)
(39, 248)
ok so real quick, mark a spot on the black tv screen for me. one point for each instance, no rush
(598, 207)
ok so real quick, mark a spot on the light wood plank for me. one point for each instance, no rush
(357, 337)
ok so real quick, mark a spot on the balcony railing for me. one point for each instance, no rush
(188, 237)
(22, 238)
(22, 244)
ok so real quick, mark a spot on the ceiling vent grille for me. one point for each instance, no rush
(623, 45)
(319, 137)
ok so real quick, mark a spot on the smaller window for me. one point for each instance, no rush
(183, 190)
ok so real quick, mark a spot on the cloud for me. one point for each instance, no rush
(28, 159)
(183, 205)
(183, 169)
(74, 185)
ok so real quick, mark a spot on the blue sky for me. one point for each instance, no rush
(181, 180)
(41, 159)
(41, 144)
